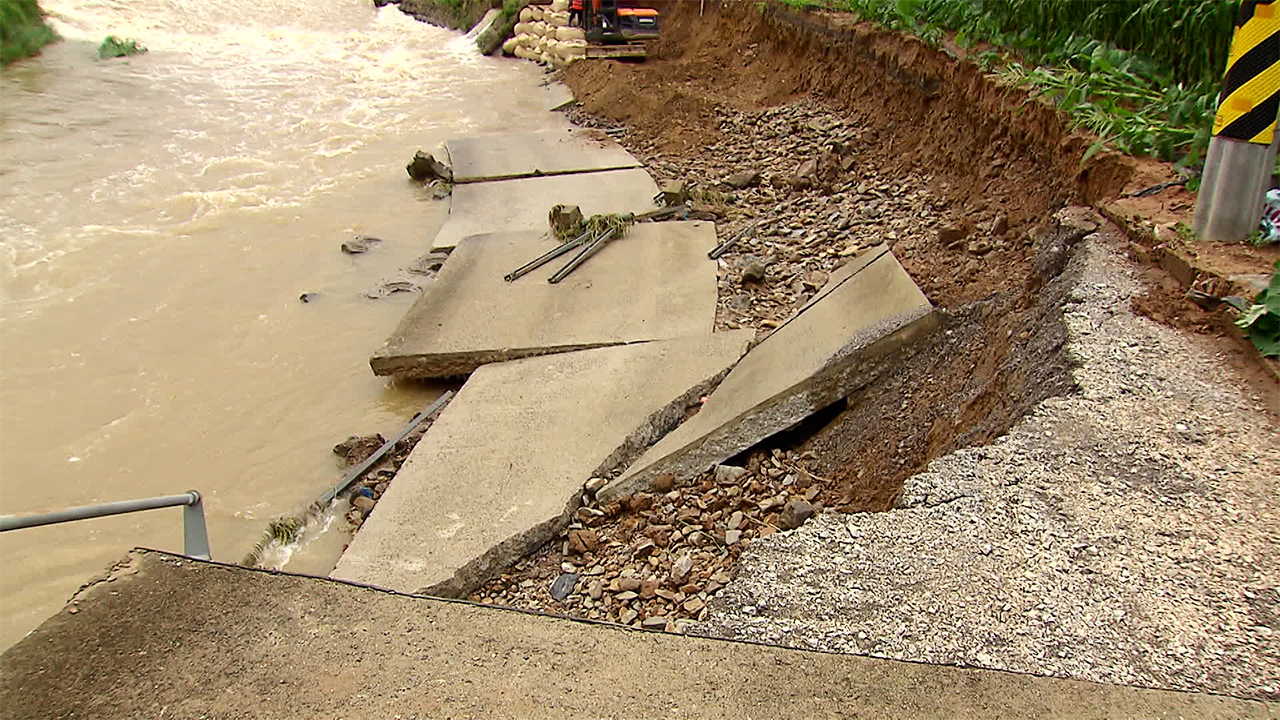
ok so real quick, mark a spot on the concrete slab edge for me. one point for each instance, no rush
(501, 556)
(469, 180)
(451, 365)
(852, 368)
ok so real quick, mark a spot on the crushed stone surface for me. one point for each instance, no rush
(1123, 534)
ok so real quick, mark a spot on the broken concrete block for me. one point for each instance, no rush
(834, 345)
(656, 282)
(424, 166)
(502, 469)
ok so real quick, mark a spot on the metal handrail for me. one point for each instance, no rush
(195, 535)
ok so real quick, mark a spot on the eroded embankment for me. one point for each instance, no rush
(834, 138)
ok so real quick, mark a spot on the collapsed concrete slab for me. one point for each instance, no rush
(553, 152)
(502, 469)
(831, 347)
(654, 283)
(523, 203)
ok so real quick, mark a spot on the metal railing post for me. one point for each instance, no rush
(195, 534)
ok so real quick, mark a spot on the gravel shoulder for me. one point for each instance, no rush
(1126, 533)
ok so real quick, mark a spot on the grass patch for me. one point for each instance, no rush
(1142, 75)
(23, 30)
(114, 47)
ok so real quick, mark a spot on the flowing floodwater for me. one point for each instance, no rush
(159, 218)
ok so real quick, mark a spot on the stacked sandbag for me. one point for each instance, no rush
(544, 35)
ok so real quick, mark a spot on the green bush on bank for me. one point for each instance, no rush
(1141, 74)
(23, 30)
(114, 47)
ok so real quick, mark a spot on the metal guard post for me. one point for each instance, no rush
(195, 534)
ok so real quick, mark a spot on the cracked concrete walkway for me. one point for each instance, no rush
(172, 637)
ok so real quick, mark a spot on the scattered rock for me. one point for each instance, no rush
(955, 233)
(363, 503)
(308, 297)
(582, 542)
(563, 586)
(754, 272)
(628, 616)
(358, 448)
(731, 537)
(360, 244)
(794, 514)
(594, 484)
(664, 483)
(424, 166)
(681, 568)
(1000, 225)
(729, 474)
(743, 180)
(565, 220)
(674, 192)
(656, 622)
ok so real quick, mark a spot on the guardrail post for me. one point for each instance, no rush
(195, 535)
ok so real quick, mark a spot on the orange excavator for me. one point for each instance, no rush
(615, 28)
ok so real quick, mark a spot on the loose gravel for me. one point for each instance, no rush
(1126, 533)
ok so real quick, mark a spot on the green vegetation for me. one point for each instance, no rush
(503, 28)
(1142, 75)
(284, 530)
(23, 30)
(114, 47)
(1262, 320)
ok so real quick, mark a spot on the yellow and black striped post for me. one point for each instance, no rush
(1242, 152)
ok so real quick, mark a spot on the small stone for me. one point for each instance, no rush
(565, 220)
(736, 520)
(794, 514)
(729, 474)
(955, 233)
(1000, 225)
(657, 622)
(682, 567)
(628, 583)
(731, 537)
(674, 192)
(664, 483)
(363, 503)
(594, 484)
(563, 586)
(627, 616)
(694, 605)
(743, 180)
(627, 596)
(595, 590)
(648, 589)
(582, 542)
(754, 272)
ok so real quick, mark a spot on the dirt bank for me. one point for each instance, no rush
(836, 137)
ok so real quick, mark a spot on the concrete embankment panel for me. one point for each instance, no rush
(502, 468)
(523, 203)
(870, 308)
(554, 152)
(175, 638)
(654, 283)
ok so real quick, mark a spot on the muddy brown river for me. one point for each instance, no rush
(159, 218)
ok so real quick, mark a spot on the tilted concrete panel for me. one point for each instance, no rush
(830, 348)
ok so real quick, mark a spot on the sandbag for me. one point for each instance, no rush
(538, 12)
(559, 5)
(558, 19)
(526, 14)
(520, 28)
(509, 47)
(570, 33)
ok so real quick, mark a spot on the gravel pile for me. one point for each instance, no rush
(654, 560)
(1126, 534)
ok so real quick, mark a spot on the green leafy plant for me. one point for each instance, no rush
(1261, 321)
(113, 47)
(284, 530)
(23, 30)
